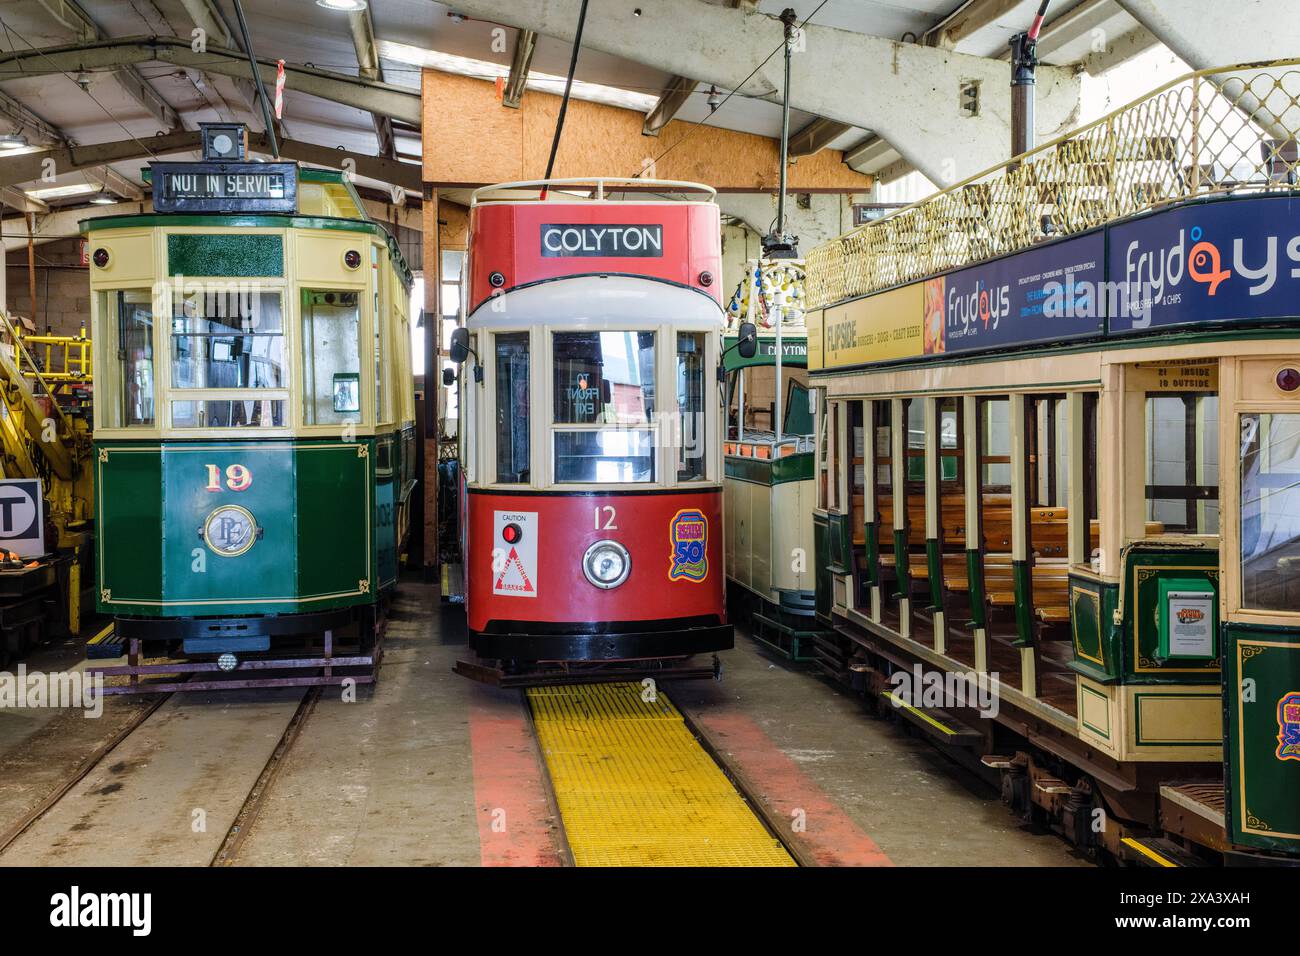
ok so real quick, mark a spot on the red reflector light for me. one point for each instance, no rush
(1288, 380)
(511, 533)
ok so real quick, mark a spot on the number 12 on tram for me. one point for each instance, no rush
(591, 459)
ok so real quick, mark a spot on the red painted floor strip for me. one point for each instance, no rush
(830, 837)
(515, 824)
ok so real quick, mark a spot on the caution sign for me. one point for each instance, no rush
(514, 553)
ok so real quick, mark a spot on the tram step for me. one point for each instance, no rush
(936, 723)
(1158, 852)
(106, 645)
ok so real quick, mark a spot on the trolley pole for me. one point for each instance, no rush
(1024, 62)
(778, 244)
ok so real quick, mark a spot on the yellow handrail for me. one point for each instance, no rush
(67, 358)
(1223, 130)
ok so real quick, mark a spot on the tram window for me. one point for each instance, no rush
(228, 338)
(915, 439)
(331, 357)
(1182, 461)
(134, 347)
(1047, 440)
(607, 456)
(512, 407)
(229, 413)
(948, 432)
(693, 437)
(798, 411)
(1270, 511)
(995, 462)
(604, 377)
(881, 422)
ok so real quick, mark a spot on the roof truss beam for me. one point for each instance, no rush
(27, 167)
(673, 98)
(115, 183)
(816, 136)
(70, 14)
(372, 95)
(907, 93)
(363, 40)
(36, 128)
(520, 62)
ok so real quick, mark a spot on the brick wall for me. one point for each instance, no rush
(62, 287)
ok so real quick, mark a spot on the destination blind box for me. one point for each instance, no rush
(225, 187)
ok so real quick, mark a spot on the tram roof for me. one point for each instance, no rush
(598, 302)
(335, 206)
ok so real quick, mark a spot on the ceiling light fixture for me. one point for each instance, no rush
(103, 199)
(13, 140)
(63, 192)
(343, 6)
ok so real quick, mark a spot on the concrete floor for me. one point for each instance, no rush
(421, 768)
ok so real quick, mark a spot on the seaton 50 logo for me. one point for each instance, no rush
(602, 240)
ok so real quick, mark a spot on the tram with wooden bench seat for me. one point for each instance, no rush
(1058, 450)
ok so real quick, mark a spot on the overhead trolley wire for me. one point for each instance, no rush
(705, 122)
(568, 88)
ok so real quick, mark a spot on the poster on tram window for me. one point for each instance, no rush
(1042, 295)
(1233, 260)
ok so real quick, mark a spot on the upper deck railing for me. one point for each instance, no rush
(600, 185)
(1219, 131)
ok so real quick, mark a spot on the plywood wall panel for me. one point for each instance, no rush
(471, 139)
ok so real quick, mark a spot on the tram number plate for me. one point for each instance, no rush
(237, 478)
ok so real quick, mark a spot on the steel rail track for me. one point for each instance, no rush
(83, 769)
(228, 853)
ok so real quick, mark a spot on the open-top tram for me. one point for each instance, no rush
(1057, 524)
(590, 450)
(254, 441)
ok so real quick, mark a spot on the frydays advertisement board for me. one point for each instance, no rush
(1210, 262)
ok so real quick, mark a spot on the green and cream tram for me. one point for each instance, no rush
(254, 438)
(1060, 486)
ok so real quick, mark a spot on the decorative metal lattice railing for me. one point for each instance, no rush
(1227, 130)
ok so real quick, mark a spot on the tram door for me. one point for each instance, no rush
(1261, 597)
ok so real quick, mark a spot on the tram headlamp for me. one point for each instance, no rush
(100, 257)
(606, 564)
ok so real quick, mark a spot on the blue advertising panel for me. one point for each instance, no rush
(1042, 295)
(1228, 261)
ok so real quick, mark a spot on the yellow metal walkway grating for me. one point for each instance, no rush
(634, 786)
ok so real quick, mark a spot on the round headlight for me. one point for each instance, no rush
(230, 530)
(606, 564)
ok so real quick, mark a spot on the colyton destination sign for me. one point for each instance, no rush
(603, 240)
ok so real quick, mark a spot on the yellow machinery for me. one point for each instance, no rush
(45, 433)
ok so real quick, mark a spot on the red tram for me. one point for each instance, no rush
(591, 459)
